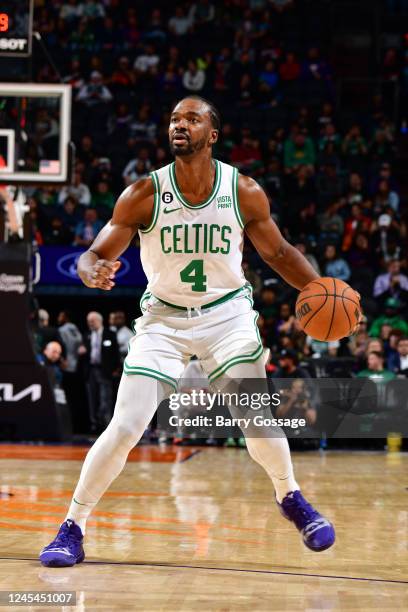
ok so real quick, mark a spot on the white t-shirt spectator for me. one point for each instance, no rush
(180, 25)
(194, 81)
(80, 192)
(94, 92)
(145, 62)
(131, 173)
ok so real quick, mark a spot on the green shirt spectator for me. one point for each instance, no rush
(354, 144)
(103, 196)
(375, 369)
(299, 151)
(391, 317)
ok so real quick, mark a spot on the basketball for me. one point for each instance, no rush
(328, 309)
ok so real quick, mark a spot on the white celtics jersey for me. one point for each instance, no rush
(192, 254)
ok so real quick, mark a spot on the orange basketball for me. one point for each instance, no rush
(328, 309)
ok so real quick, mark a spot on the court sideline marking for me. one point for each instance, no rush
(224, 569)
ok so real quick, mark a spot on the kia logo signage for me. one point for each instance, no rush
(8, 393)
(67, 266)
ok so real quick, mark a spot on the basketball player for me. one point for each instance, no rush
(191, 216)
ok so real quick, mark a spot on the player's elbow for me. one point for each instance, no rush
(276, 254)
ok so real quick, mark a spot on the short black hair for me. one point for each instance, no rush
(212, 110)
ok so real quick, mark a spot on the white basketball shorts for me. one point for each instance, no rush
(220, 336)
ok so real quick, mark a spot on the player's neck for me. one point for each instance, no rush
(195, 176)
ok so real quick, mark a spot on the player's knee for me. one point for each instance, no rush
(124, 435)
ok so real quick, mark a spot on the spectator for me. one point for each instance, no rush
(94, 106)
(391, 317)
(50, 358)
(296, 404)
(78, 190)
(330, 186)
(290, 69)
(331, 223)
(58, 233)
(268, 82)
(329, 136)
(300, 190)
(147, 61)
(180, 24)
(70, 215)
(375, 369)
(170, 80)
(92, 10)
(287, 321)
(360, 255)
(72, 382)
(357, 222)
(289, 366)
(202, 14)
(143, 129)
(385, 198)
(320, 348)
(399, 363)
(135, 169)
(123, 78)
(268, 306)
(392, 284)
(95, 92)
(314, 68)
(247, 155)
(75, 78)
(355, 189)
(130, 33)
(155, 31)
(336, 266)
(72, 339)
(354, 147)
(123, 333)
(101, 358)
(43, 331)
(88, 229)
(358, 343)
(386, 239)
(103, 196)
(301, 246)
(299, 151)
(193, 77)
(70, 11)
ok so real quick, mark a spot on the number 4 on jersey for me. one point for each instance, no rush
(194, 274)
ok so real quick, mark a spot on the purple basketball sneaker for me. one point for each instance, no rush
(317, 532)
(66, 549)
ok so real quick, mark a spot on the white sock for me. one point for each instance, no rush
(271, 451)
(137, 401)
(273, 455)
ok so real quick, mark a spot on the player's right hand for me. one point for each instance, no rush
(102, 274)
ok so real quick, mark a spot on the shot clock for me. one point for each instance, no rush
(16, 20)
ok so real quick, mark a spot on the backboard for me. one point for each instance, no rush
(35, 128)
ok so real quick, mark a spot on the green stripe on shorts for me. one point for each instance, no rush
(151, 373)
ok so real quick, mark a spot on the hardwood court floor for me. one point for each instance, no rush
(186, 530)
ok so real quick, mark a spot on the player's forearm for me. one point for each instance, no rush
(290, 264)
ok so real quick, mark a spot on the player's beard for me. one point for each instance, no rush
(188, 148)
